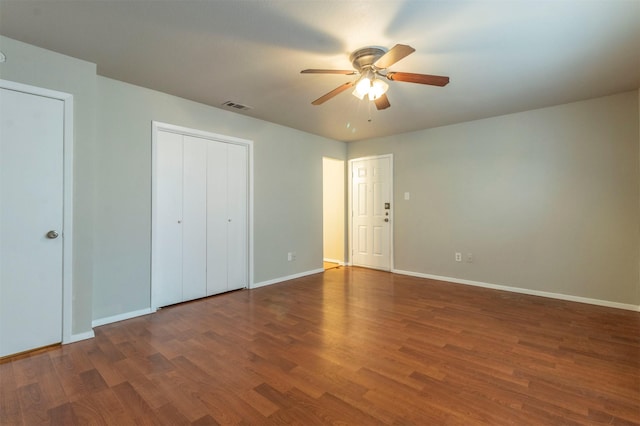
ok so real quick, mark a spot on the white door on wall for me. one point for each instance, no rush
(31, 220)
(200, 216)
(371, 183)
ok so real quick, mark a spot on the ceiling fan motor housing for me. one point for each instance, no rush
(365, 57)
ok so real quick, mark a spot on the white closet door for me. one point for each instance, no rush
(217, 217)
(31, 205)
(167, 232)
(194, 218)
(237, 190)
(200, 217)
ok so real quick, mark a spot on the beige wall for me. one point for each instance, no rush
(333, 207)
(546, 200)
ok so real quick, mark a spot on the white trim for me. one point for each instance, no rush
(339, 262)
(67, 206)
(81, 336)
(287, 278)
(121, 317)
(350, 211)
(530, 292)
(186, 131)
(250, 195)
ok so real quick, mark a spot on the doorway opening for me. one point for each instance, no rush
(333, 213)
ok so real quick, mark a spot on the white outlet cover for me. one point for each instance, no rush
(407, 196)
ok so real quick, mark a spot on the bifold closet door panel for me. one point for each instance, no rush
(167, 241)
(237, 241)
(217, 218)
(194, 218)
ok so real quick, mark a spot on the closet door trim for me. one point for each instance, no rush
(157, 126)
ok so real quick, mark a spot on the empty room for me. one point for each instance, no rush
(269, 212)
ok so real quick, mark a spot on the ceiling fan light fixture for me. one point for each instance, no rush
(373, 88)
(363, 86)
(377, 89)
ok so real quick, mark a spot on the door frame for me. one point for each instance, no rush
(157, 126)
(67, 198)
(350, 205)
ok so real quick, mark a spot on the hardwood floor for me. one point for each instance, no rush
(330, 265)
(350, 346)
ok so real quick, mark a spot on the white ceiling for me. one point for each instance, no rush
(501, 56)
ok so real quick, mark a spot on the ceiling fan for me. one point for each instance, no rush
(370, 64)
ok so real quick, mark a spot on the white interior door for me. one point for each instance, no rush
(31, 205)
(371, 212)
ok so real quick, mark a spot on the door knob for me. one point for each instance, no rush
(386, 219)
(52, 235)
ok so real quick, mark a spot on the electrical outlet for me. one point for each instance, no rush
(469, 257)
(289, 256)
(458, 257)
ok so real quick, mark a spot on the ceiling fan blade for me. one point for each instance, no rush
(314, 71)
(322, 99)
(433, 80)
(396, 53)
(382, 102)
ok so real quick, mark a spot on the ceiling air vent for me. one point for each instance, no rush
(236, 105)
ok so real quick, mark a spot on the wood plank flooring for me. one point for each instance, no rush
(330, 265)
(349, 346)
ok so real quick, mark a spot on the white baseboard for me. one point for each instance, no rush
(559, 296)
(121, 317)
(339, 262)
(80, 336)
(287, 278)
